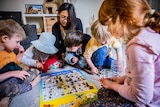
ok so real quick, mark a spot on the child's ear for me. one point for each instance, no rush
(4, 38)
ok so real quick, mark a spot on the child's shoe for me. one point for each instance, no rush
(57, 64)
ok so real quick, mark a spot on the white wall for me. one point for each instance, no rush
(17, 5)
(85, 9)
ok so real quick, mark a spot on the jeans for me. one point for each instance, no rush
(100, 58)
(13, 86)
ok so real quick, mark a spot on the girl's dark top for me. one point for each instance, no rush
(59, 44)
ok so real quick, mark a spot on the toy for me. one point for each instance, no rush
(66, 89)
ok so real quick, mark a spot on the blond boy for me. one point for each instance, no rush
(12, 78)
(98, 49)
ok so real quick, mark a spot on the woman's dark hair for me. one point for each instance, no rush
(71, 11)
(74, 38)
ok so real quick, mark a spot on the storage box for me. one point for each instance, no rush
(50, 22)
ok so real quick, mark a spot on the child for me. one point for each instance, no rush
(140, 85)
(75, 41)
(98, 49)
(13, 80)
(42, 53)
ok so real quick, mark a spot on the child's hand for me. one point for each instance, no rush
(20, 52)
(39, 65)
(20, 49)
(94, 70)
(105, 82)
(75, 60)
(116, 79)
(20, 74)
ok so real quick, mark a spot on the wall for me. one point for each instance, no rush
(85, 9)
(17, 5)
(155, 4)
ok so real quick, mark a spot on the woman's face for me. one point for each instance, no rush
(63, 15)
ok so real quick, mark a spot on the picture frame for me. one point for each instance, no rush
(34, 9)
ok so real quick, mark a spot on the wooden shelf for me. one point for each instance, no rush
(40, 21)
(39, 15)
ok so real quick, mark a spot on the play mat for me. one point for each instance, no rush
(69, 88)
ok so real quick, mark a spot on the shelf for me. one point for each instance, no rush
(43, 22)
(39, 15)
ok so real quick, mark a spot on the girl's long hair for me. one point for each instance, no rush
(127, 17)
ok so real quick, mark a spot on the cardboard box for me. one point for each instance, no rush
(50, 22)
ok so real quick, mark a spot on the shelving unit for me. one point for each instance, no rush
(43, 22)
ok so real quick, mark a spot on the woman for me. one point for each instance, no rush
(141, 83)
(66, 21)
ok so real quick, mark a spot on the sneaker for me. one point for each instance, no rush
(62, 64)
(57, 64)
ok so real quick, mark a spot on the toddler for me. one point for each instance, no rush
(75, 42)
(42, 53)
(98, 49)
